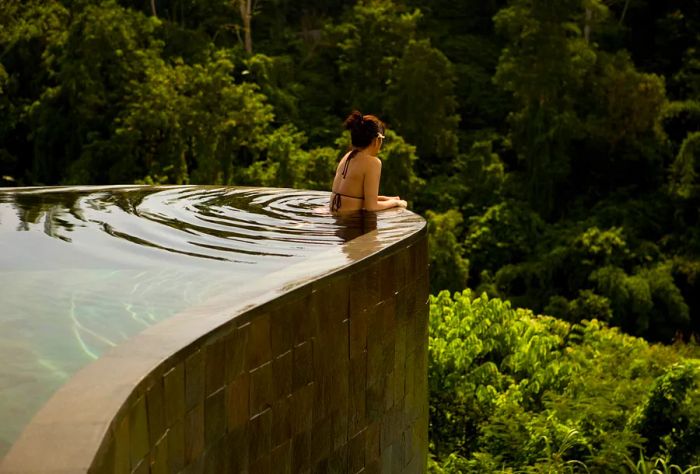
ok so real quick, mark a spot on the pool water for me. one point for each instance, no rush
(83, 269)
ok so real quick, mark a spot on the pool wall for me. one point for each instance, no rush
(330, 375)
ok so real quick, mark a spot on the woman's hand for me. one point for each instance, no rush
(402, 203)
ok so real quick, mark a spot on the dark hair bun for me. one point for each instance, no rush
(354, 121)
(363, 128)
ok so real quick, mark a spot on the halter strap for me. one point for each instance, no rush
(335, 204)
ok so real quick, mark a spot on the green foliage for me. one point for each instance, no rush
(544, 35)
(506, 232)
(449, 270)
(515, 392)
(686, 168)
(421, 102)
(370, 41)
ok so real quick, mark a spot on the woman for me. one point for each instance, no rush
(356, 183)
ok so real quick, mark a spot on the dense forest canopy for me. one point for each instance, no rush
(553, 145)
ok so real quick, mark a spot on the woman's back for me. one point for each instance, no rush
(349, 180)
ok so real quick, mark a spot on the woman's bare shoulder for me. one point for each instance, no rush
(372, 162)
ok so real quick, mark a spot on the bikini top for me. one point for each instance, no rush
(335, 204)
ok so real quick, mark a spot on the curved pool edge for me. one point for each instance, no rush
(113, 415)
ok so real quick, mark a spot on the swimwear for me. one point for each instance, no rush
(335, 204)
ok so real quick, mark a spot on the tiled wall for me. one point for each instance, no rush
(330, 378)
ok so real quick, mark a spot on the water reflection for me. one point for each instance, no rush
(353, 225)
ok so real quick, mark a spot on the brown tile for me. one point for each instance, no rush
(281, 421)
(397, 460)
(282, 375)
(281, 331)
(323, 392)
(389, 389)
(301, 451)
(260, 389)
(259, 349)
(262, 465)
(122, 447)
(194, 434)
(330, 299)
(321, 440)
(197, 467)
(356, 452)
(372, 448)
(391, 429)
(339, 434)
(303, 367)
(422, 256)
(174, 393)
(339, 392)
(388, 284)
(320, 467)
(236, 447)
(358, 333)
(375, 467)
(358, 383)
(282, 459)
(238, 402)
(399, 368)
(176, 446)
(408, 444)
(401, 301)
(105, 458)
(414, 467)
(410, 389)
(214, 417)
(155, 406)
(159, 457)
(302, 401)
(194, 380)
(387, 458)
(339, 339)
(138, 431)
(301, 319)
(260, 441)
(400, 263)
(215, 458)
(375, 360)
(338, 461)
(142, 467)
(215, 366)
(387, 314)
(236, 350)
(375, 401)
(364, 289)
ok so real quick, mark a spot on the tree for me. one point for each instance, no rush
(543, 65)
(450, 270)
(370, 40)
(421, 102)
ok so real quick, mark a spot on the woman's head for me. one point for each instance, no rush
(364, 129)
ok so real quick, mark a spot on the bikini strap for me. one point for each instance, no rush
(347, 162)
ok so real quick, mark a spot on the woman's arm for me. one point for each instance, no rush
(387, 198)
(371, 190)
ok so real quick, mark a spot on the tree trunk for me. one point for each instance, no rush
(153, 8)
(587, 26)
(247, 17)
(624, 12)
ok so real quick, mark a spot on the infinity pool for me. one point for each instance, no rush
(83, 269)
